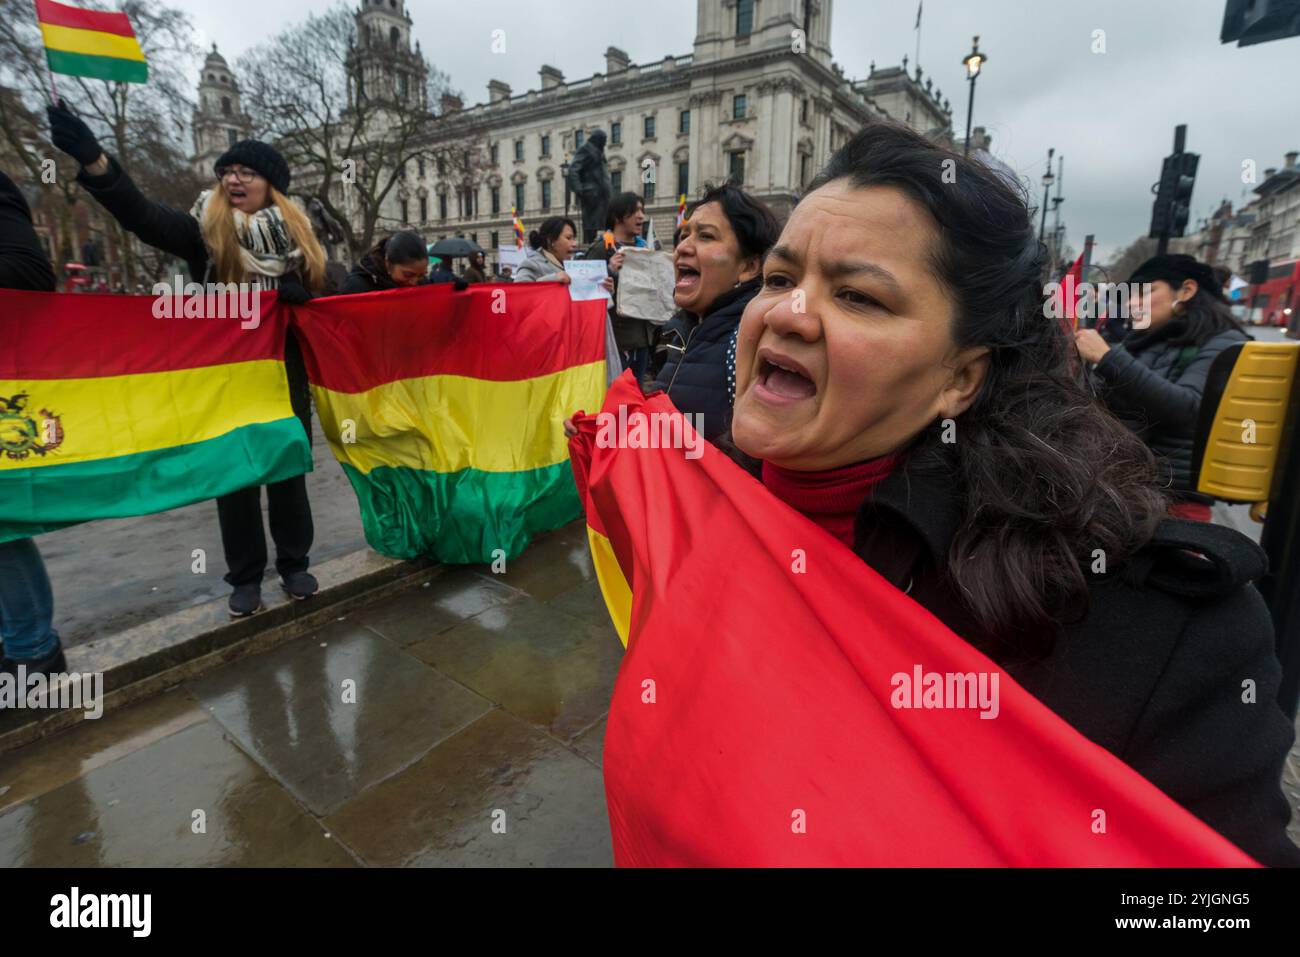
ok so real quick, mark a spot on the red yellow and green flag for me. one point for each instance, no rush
(446, 410)
(757, 718)
(107, 411)
(92, 43)
(681, 210)
(517, 227)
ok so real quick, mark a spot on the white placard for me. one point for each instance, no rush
(645, 285)
(587, 276)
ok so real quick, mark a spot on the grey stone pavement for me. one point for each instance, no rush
(460, 723)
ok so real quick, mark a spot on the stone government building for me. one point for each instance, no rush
(745, 104)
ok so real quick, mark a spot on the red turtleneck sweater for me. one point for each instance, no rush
(831, 498)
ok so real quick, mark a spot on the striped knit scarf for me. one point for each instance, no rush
(266, 249)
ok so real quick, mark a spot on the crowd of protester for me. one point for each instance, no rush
(829, 355)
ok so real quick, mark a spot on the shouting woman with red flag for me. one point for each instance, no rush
(940, 499)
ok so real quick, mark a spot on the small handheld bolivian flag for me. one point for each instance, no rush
(681, 210)
(517, 227)
(92, 43)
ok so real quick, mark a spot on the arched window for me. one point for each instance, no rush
(394, 35)
(225, 106)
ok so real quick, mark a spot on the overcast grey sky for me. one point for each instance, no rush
(1111, 115)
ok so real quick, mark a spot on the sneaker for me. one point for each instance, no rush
(245, 600)
(53, 662)
(300, 585)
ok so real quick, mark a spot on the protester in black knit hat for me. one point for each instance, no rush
(1154, 380)
(242, 230)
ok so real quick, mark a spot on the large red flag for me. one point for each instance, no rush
(769, 712)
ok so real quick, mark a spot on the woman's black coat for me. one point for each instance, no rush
(1158, 397)
(367, 276)
(698, 372)
(178, 233)
(1155, 673)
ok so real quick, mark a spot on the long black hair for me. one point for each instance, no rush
(403, 247)
(1045, 476)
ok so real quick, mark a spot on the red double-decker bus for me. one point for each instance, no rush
(1274, 302)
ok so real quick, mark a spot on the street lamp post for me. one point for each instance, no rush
(974, 62)
(1048, 180)
(564, 171)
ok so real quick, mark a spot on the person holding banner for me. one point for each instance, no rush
(553, 242)
(898, 384)
(244, 229)
(623, 228)
(27, 635)
(396, 262)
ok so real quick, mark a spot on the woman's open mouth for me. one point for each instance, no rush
(236, 195)
(688, 277)
(782, 380)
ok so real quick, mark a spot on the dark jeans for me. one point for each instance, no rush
(638, 360)
(26, 602)
(240, 513)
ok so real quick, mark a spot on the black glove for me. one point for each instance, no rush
(292, 291)
(460, 284)
(72, 135)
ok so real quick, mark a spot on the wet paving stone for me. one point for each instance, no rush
(139, 811)
(456, 595)
(591, 743)
(548, 668)
(551, 565)
(441, 811)
(585, 602)
(331, 721)
(54, 761)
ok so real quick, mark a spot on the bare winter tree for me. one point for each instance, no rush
(145, 126)
(1138, 252)
(349, 146)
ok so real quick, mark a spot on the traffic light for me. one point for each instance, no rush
(1173, 202)
(1258, 21)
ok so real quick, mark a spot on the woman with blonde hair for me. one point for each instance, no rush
(242, 230)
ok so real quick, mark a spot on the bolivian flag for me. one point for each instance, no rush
(446, 410)
(107, 411)
(782, 704)
(90, 43)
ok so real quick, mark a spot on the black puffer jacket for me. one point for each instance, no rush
(367, 276)
(23, 263)
(1155, 389)
(699, 368)
(1154, 673)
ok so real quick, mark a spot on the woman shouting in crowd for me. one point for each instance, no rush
(242, 230)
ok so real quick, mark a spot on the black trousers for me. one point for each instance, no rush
(240, 513)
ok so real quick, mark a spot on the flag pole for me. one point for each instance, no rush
(919, 7)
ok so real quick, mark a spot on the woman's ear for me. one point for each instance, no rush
(1187, 290)
(968, 374)
(750, 268)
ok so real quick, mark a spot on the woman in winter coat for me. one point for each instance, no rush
(552, 242)
(898, 383)
(242, 230)
(1154, 380)
(718, 258)
(399, 261)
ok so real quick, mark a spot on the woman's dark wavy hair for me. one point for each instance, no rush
(755, 227)
(1204, 316)
(1044, 474)
(550, 230)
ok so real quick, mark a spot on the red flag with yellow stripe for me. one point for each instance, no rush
(769, 710)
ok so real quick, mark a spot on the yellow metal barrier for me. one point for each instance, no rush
(1249, 423)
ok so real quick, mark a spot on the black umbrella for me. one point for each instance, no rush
(454, 247)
